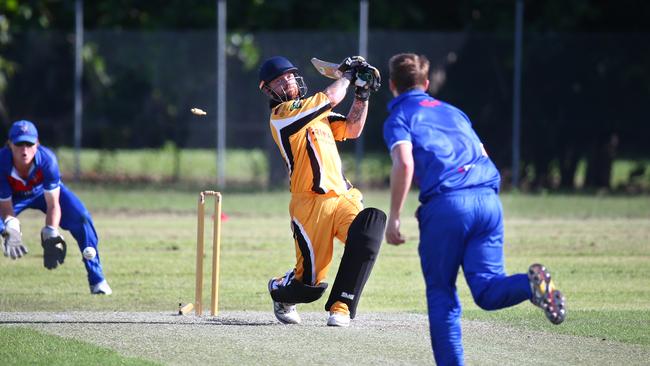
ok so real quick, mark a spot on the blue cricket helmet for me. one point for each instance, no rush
(274, 67)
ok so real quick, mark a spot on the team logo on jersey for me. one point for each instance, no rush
(430, 103)
(296, 104)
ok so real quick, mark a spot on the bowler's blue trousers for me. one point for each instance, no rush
(74, 218)
(463, 228)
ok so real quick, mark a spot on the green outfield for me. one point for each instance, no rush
(597, 247)
(250, 167)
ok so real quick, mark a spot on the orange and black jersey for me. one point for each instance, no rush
(306, 132)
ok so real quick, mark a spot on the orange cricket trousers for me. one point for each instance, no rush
(316, 219)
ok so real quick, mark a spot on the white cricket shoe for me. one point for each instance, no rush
(284, 312)
(101, 288)
(338, 320)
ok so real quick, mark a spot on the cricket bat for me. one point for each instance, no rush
(327, 69)
(331, 70)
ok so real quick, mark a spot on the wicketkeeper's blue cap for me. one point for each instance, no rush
(274, 67)
(23, 131)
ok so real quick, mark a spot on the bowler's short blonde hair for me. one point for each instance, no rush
(408, 71)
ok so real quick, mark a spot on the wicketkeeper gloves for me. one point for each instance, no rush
(54, 247)
(12, 245)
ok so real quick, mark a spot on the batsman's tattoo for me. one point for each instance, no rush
(357, 111)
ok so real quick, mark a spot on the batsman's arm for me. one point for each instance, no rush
(356, 118)
(336, 91)
(400, 182)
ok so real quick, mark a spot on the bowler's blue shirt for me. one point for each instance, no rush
(43, 176)
(448, 154)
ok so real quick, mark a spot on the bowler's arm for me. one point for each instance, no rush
(400, 182)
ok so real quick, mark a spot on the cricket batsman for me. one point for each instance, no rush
(324, 205)
(30, 178)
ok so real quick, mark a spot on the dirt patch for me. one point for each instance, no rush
(373, 339)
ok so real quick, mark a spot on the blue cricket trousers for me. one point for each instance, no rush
(463, 228)
(74, 218)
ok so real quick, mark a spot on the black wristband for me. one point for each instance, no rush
(362, 94)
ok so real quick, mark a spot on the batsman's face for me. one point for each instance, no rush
(23, 153)
(285, 84)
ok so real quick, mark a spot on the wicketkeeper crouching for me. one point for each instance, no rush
(30, 178)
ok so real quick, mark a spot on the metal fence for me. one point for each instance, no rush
(140, 86)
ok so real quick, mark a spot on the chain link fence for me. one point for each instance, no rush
(580, 91)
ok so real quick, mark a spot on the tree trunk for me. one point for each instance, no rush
(568, 167)
(601, 159)
(542, 175)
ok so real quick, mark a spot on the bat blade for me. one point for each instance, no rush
(327, 69)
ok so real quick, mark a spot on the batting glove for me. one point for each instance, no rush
(367, 80)
(12, 245)
(54, 247)
(349, 66)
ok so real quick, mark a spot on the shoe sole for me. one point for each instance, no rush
(333, 322)
(284, 321)
(337, 324)
(553, 302)
(101, 293)
(539, 276)
(555, 307)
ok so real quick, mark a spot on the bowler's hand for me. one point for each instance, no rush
(393, 235)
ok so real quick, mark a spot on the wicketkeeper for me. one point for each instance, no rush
(323, 203)
(30, 178)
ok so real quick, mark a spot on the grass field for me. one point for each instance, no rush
(250, 167)
(597, 247)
